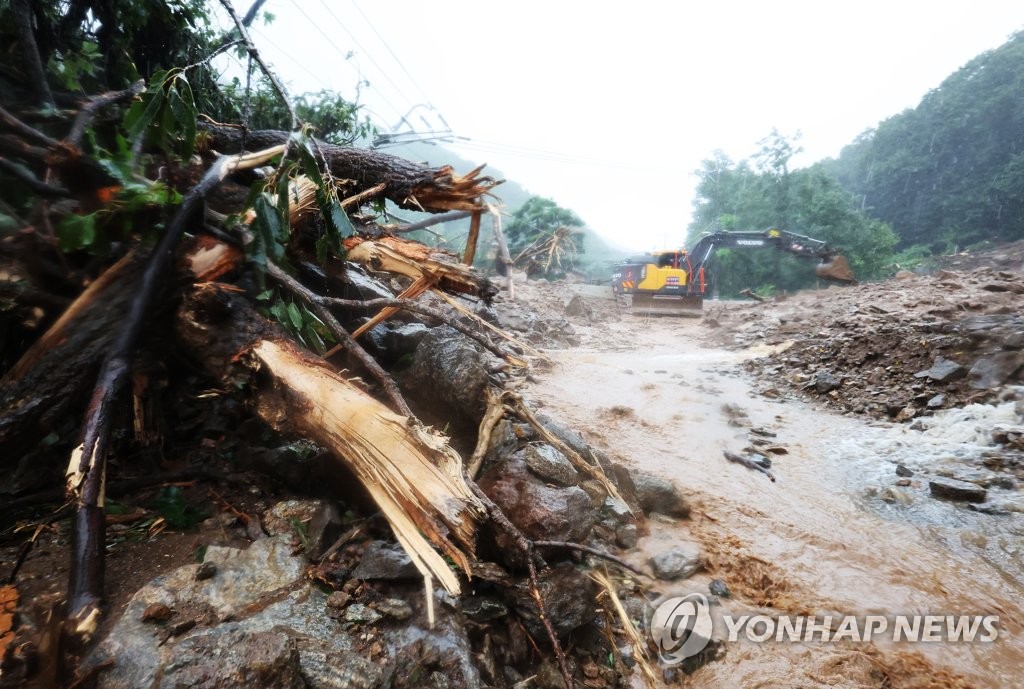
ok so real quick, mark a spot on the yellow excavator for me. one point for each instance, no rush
(675, 281)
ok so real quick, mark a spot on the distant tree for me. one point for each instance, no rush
(949, 172)
(765, 192)
(545, 238)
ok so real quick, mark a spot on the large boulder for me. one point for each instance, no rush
(540, 511)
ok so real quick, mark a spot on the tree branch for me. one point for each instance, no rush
(97, 103)
(341, 335)
(26, 177)
(87, 467)
(251, 48)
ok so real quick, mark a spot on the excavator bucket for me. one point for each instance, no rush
(837, 269)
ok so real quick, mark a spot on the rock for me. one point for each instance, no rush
(906, 414)
(616, 509)
(627, 535)
(992, 371)
(655, 494)
(578, 308)
(680, 562)
(235, 660)
(894, 496)
(483, 608)
(289, 516)
(385, 561)
(405, 338)
(943, 371)
(824, 382)
(269, 612)
(568, 599)
(904, 470)
(952, 489)
(325, 528)
(395, 608)
(540, 511)
(904, 482)
(936, 402)
(547, 463)
(357, 613)
(904, 275)
(449, 370)
(156, 612)
(717, 587)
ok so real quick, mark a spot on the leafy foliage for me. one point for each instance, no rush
(765, 192)
(545, 237)
(950, 171)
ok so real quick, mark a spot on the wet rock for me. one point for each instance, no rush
(290, 516)
(906, 414)
(206, 570)
(992, 371)
(680, 562)
(238, 659)
(325, 528)
(904, 470)
(357, 613)
(825, 381)
(449, 370)
(943, 371)
(395, 608)
(578, 308)
(627, 535)
(385, 561)
(336, 603)
(258, 607)
(405, 338)
(547, 463)
(655, 494)
(540, 511)
(718, 587)
(483, 608)
(936, 402)
(895, 496)
(156, 612)
(953, 489)
(568, 598)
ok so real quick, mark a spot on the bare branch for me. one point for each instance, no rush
(271, 77)
(38, 186)
(341, 335)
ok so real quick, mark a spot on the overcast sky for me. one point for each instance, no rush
(609, 108)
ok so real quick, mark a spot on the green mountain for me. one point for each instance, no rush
(949, 172)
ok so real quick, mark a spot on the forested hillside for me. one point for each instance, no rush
(936, 178)
(949, 172)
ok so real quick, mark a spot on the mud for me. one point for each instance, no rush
(668, 396)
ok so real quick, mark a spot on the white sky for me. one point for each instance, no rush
(608, 108)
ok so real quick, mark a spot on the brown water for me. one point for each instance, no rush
(817, 540)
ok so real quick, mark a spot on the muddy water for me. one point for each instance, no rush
(820, 540)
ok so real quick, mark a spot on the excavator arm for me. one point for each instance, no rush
(833, 266)
(674, 281)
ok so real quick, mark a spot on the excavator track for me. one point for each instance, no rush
(666, 304)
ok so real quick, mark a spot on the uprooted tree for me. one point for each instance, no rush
(135, 220)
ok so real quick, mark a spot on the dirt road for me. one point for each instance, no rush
(825, 539)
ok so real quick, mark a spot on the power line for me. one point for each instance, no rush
(366, 52)
(331, 42)
(392, 52)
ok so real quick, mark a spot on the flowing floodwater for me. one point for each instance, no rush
(833, 534)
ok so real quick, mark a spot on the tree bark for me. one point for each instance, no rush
(410, 185)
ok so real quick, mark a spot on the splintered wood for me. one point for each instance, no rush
(411, 472)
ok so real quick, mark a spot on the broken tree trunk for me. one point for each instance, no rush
(410, 471)
(410, 185)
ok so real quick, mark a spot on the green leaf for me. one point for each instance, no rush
(184, 111)
(138, 122)
(339, 220)
(77, 232)
(295, 315)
